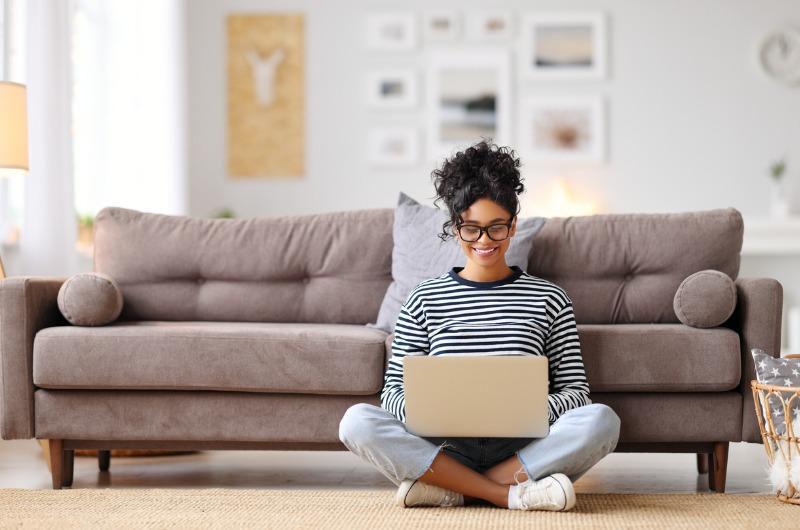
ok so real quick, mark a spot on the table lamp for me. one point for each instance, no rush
(13, 134)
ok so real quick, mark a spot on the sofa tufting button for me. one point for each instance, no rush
(201, 280)
(306, 280)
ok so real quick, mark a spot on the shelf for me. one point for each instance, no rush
(764, 236)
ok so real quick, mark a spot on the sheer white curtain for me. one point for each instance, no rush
(12, 187)
(49, 228)
(129, 100)
(106, 112)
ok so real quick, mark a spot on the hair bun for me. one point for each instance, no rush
(483, 170)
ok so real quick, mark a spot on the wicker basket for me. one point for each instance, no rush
(772, 440)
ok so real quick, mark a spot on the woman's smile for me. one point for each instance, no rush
(490, 251)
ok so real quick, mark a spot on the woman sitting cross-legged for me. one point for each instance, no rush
(455, 313)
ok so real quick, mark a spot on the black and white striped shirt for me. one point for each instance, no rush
(517, 315)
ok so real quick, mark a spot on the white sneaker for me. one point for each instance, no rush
(553, 492)
(417, 493)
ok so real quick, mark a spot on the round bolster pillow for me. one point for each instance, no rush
(705, 299)
(90, 299)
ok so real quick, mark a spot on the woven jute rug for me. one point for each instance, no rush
(352, 509)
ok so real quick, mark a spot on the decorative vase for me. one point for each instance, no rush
(779, 204)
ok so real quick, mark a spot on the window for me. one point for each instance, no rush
(127, 108)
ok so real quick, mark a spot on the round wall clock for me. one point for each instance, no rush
(780, 55)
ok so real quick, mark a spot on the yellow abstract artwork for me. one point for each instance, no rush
(265, 95)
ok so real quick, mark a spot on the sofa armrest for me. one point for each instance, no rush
(757, 319)
(27, 304)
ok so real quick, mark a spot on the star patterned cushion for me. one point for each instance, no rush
(780, 372)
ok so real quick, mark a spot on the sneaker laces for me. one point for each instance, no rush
(535, 485)
(450, 498)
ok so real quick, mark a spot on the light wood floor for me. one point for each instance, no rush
(23, 466)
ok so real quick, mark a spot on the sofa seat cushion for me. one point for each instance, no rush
(231, 356)
(660, 358)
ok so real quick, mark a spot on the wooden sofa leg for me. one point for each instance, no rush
(104, 459)
(69, 466)
(57, 462)
(62, 463)
(702, 463)
(718, 463)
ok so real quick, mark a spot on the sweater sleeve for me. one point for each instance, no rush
(569, 388)
(410, 338)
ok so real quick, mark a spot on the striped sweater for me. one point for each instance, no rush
(517, 315)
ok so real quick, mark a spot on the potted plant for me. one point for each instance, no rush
(224, 213)
(779, 206)
(85, 242)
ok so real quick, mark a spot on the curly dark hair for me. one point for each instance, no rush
(483, 170)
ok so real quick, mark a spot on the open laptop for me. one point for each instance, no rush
(502, 396)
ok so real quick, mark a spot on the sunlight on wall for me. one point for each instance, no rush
(560, 200)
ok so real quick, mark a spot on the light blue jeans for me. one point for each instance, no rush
(578, 439)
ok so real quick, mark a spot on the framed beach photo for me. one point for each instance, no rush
(490, 25)
(391, 31)
(392, 89)
(563, 45)
(562, 129)
(392, 146)
(468, 98)
(441, 26)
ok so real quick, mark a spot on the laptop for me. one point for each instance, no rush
(492, 396)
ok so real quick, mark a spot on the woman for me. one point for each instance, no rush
(489, 308)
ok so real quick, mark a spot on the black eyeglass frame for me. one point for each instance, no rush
(483, 229)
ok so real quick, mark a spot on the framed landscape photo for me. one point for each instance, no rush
(441, 26)
(392, 146)
(468, 98)
(391, 31)
(562, 129)
(490, 25)
(563, 45)
(392, 89)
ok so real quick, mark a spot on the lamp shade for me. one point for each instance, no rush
(13, 126)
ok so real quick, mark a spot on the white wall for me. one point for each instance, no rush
(692, 122)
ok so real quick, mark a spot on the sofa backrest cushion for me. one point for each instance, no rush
(326, 268)
(626, 268)
(335, 267)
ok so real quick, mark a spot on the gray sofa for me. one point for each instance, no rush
(250, 333)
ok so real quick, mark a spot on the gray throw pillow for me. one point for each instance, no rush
(780, 372)
(90, 299)
(419, 254)
(705, 299)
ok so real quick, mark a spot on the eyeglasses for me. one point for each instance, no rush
(496, 232)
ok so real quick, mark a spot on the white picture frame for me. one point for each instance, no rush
(392, 146)
(441, 25)
(392, 89)
(490, 25)
(393, 31)
(562, 129)
(459, 82)
(563, 45)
